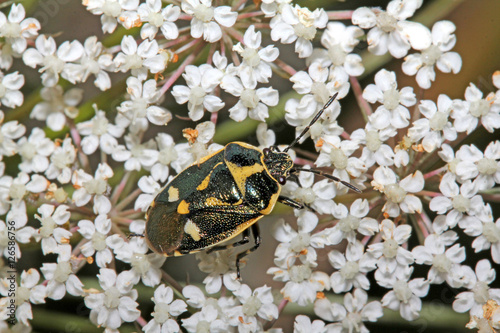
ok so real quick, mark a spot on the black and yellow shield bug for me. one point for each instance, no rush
(221, 196)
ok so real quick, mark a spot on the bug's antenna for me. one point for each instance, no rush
(316, 117)
(323, 174)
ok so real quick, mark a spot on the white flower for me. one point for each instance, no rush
(266, 137)
(390, 255)
(272, 7)
(16, 29)
(339, 42)
(354, 221)
(93, 61)
(479, 292)
(456, 201)
(10, 84)
(167, 155)
(201, 82)
(60, 276)
(351, 268)
(96, 232)
(196, 298)
(213, 314)
(136, 154)
(350, 316)
(143, 97)
(52, 60)
(35, 151)
(372, 139)
(406, 294)
(253, 304)
(300, 113)
(221, 266)
(318, 195)
(298, 24)
(396, 192)
(338, 154)
(61, 162)
(112, 11)
(436, 127)
(157, 17)
(88, 187)
(116, 303)
(165, 308)
(477, 109)
(317, 87)
(483, 168)
(23, 235)
(296, 244)
(394, 102)
(150, 188)
(133, 58)
(206, 319)
(98, 132)
(255, 65)
(436, 53)
(302, 284)
(303, 324)
(488, 233)
(445, 264)
(28, 291)
(145, 267)
(196, 148)
(252, 102)
(13, 192)
(56, 105)
(51, 231)
(10, 131)
(204, 15)
(389, 29)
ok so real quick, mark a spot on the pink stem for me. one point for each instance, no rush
(249, 14)
(435, 172)
(340, 15)
(181, 68)
(356, 87)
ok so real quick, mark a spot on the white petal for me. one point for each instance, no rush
(224, 16)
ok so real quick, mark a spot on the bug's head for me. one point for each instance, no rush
(278, 163)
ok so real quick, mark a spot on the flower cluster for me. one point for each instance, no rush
(77, 179)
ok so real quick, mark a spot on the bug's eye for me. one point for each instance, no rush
(282, 180)
(266, 151)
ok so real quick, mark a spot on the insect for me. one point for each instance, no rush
(221, 196)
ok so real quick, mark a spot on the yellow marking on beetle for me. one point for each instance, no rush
(204, 183)
(271, 204)
(192, 230)
(230, 235)
(183, 207)
(173, 194)
(245, 145)
(212, 201)
(241, 173)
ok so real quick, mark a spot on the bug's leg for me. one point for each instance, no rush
(290, 202)
(295, 204)
(257, 239)
(326, 175)
(243, 241)
(135, 235)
